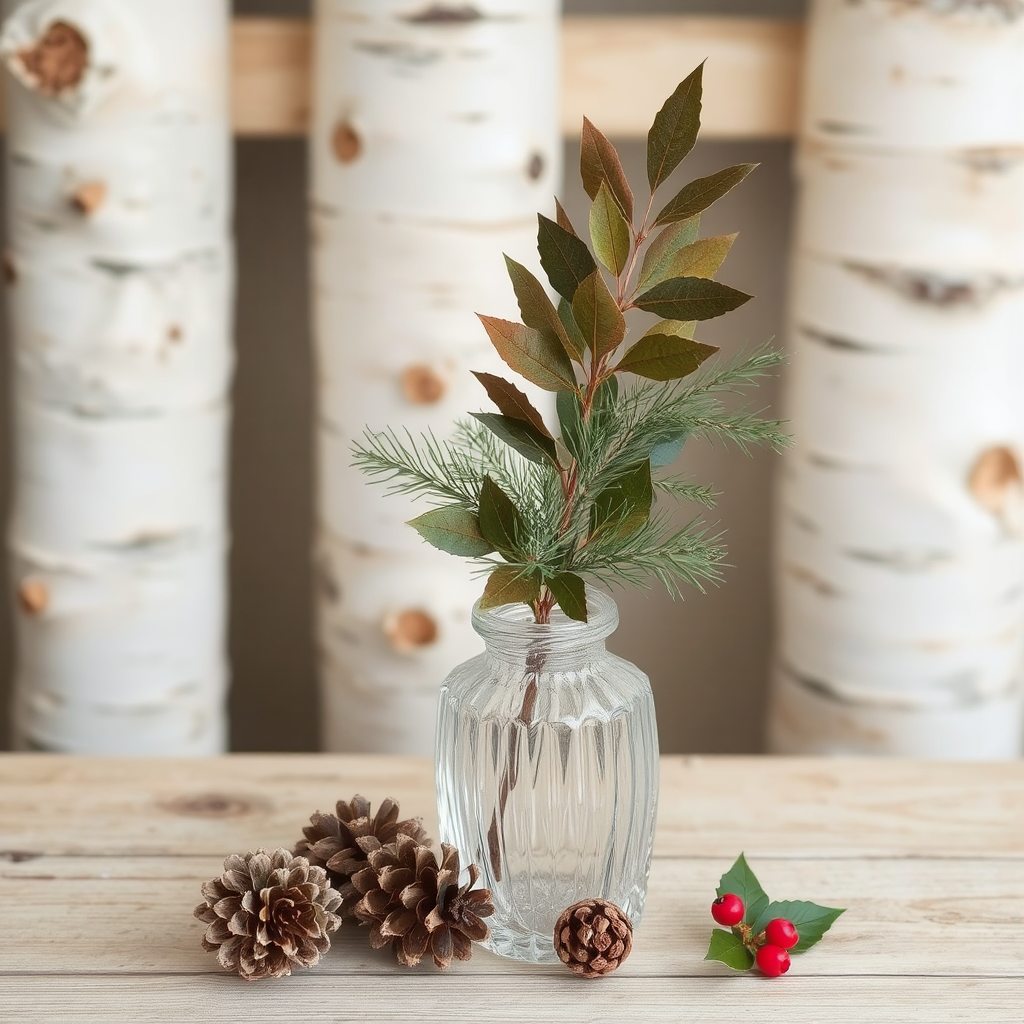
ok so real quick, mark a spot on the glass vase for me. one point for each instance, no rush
(547, 771)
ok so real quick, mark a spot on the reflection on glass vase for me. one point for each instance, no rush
(547, 771)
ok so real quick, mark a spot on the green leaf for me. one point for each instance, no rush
(810, 920)
(500, 520)
(562, 219)
(535, 354)
(699, 259)
(742, 882)
(536, 307)
(606, 395)
(690, 298)
(668, 451)
(599, 162)
(727, 948)
(565, 257)
(699, 194)
(598, 316)
(674, 328)
(675, 128)
(664, 357)
(669, 240)
(571, 594)
(625, 505)
(507, 585)
(609, 231)
(454, 530)
(577, 344)
(520, 435)
(511, 401)
(567, 405)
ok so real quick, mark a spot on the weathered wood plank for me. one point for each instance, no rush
(130, 915)
(506, 1000)
(710, 807)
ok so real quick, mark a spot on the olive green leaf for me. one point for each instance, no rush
(506, 585)
(669, 240)
(570, 421)
(536, 307)
(598, 316)
(565, 257)
(600, 162)
(577, 344)
(690, 298)
(699, 194)
(511, 401)
(675, 128)
(536, 355)
(562, 219)
(674, 328)
(520, 435)
(625, 505)
(452, 529)
(571, 594)
(609, 231)
(664, 357)
(727, 948)
(702, 258)
(500, 520)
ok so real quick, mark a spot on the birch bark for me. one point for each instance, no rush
(435, 141)
(120, 281)
(900, 557)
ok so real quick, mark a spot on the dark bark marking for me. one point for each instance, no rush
(444, 14)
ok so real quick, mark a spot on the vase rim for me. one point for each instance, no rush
(512, 622)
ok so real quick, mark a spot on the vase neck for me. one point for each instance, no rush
(511, 634)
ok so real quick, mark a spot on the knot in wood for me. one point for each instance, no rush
(445, 14)
(58, 61)
(33, 596)
(593, 937)
(210, 805)
(89, 197)
(422, 386)
(409, 629)
(347, 144)
(996, 484)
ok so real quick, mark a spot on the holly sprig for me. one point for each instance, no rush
(738, 947)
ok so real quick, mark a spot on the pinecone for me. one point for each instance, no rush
(268, 912)
(593, 937)
(332, 841)
(414, 905)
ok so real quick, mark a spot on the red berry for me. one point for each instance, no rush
(772, 960)
(728, 909)
(781, 932)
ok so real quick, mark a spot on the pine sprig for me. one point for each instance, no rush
(542, 512)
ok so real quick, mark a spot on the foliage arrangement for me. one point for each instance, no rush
(762, 932)
(542, 513)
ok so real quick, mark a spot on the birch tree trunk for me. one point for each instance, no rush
(435, 142)
(900, 558)
(120, 281)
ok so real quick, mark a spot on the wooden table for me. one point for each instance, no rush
(101, 862)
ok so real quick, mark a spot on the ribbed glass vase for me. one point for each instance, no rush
(547, 771)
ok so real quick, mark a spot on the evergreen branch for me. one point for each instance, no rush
(686, 490)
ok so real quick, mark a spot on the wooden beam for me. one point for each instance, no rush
(617, 70)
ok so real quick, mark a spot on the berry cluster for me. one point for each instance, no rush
(770, 947)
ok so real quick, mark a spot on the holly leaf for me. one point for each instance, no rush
(664, 357)
(810, 920)
(511, 401)
(577, 345)
(669, 240)
(727, 948)
(571, 594)
(702, 258)
(609, 231)
(624, 505)
(690, 298)
(565, 257)
(598, 316)
(452, 529)
(536, 307)
(536, 355)
(507, 585)
(599, 162)
(562, 219)
(742, 882)
(520, 435)
(500, 520)
(700, 193)
(675, 128)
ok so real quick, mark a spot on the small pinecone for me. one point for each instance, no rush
(333, 841)
(413, 905)
(268, 912)
(593, 937)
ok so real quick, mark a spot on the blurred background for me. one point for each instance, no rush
(707, 657)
